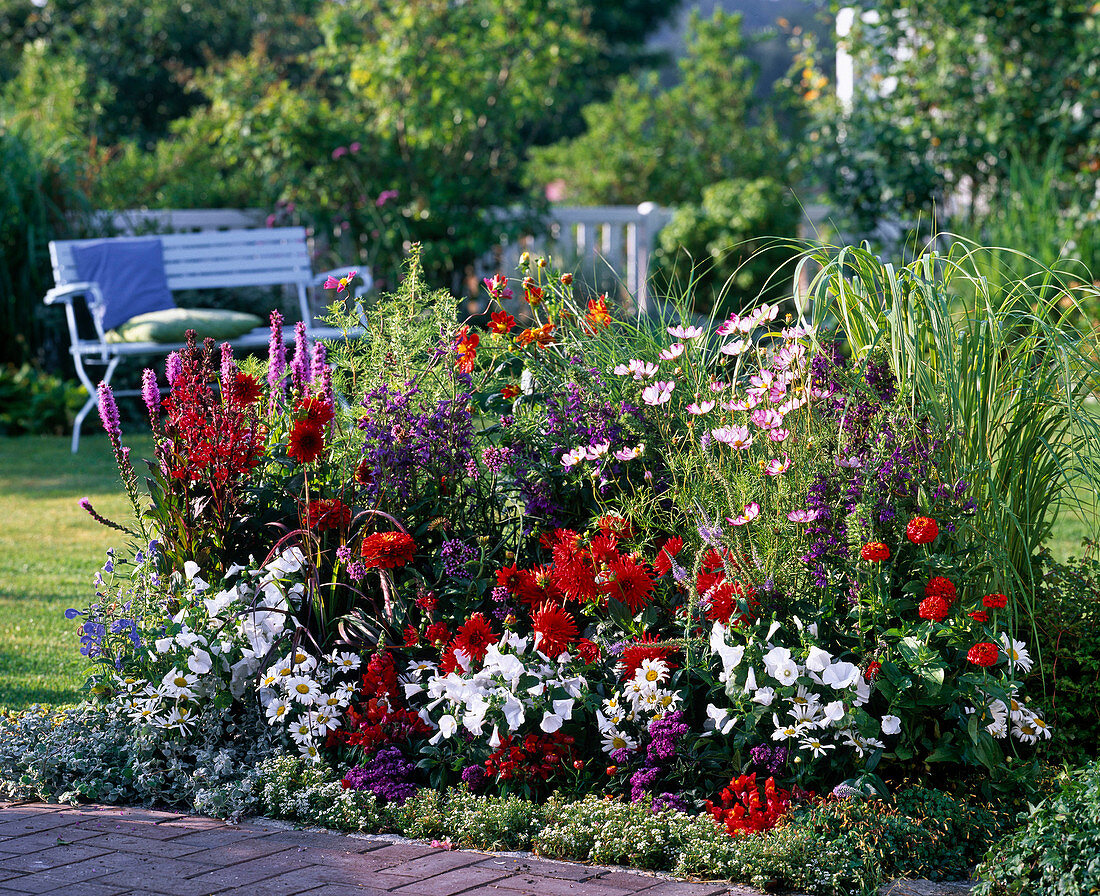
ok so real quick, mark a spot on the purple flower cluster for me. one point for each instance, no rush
(455, 554)
(664, 733)
(768, 758)
(412, 444)
(496, 459)
(474, 777)
(386, 775)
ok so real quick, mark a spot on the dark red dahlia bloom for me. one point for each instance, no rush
(662, 564)
(555, 629)
(627, 581)
(474, 637)
(307, 442)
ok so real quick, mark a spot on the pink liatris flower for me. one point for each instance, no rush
(108, 413)
(658, 393)
(299, 365)
(276, 355)
(320, 372)
(150, 393)
(173, 367)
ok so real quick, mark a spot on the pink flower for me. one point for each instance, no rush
(779, 435)
(737, 347)
(718, 387)
(747, 515)
(691, 332)
(672, 352)
(385, 196)
(630, 453)
(703, 407)
(766, 418)
(339, 151)
(355, 147)
(776, 466)
(849, 463)
(658, 393)
(802, 516)
(341, 283)
(735, 436)
(640, 370)
(729, 327)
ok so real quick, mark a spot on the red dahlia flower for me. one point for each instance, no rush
(327, 513)
(466, 350)
(934, 608)
(316, 410)
(995, 601)
(627, 582)
(510, 391)
(938, 586)
(388, 550)
(662, 564)
(875, 552)
(474, 637)
(983, 654)
(307, 442)
(598, 315)
(554, 629)
(246, 390)
(922, 530)
(437, 634)
(588, 651)
(644, 649)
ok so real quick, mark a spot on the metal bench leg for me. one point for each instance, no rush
(93, 393)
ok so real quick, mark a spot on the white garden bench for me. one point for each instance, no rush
(207, 260)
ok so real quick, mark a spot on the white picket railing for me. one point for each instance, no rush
(606, 244)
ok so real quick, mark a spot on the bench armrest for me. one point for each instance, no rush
(364, 275)
(65, 293)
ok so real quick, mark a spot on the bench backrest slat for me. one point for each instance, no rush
(263, 257)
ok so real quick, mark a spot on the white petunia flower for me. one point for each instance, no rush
(891, 725)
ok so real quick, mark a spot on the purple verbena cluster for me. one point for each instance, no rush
(768, 758)
(660, 751)
(455, 554)
(387, 775)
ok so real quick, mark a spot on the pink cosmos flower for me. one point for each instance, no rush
(802, 516)
(630, 453)
(737, 347)
(717, 386)
(747, 515)
(729, 327)
(776, 466)
(658, 393)
(341, 283)
(767, 418)
(779, 435)
(703, 407)
(672, 352)
(339, 151)
(849, 463)
(735, 436)
(691, 332)
(572, 458)
(595, 452)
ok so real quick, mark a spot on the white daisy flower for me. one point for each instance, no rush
(304, 690)
(277, 710)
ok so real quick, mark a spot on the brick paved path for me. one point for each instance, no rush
(108, 851)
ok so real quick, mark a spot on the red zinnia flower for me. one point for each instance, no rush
(307, 443)
(875, 552)
(983, 654)
(466, 350)
(627, 582)
(501, 322)
(327, 513)
(979, 616)
(934, 608)
(922, 530)
(938, 586)
(474, 637)
(388, 550)
(995, 601)
(554, 629)
(662, 564)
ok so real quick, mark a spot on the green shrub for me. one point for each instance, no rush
(1068, 626)
(1057, 851)
(35, 402)
(727, 248)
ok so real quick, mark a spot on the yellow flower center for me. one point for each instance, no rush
(180, 681)
(302, 688)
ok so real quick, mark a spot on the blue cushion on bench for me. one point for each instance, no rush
(130, 274)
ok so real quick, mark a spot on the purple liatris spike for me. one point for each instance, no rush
(299, 366)
(276, 355)
(150, 393)
(228, 368)
(320, 375)
(108, 413)
(173, 367)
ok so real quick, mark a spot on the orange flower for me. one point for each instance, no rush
(501, 322)
(531, 292)
(388, 550)
(598, 315)
(466, 350)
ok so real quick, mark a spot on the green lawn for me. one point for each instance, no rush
(50, 549)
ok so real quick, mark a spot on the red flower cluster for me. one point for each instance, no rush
(536, 758)
(922, 530)
(872, 671)
(307, 435)
(379, 718)
(742, 810)
(326, 513)
(983, 654)
(721, 597)
(979, 616)
(555, 629)
(388, 550)
(875, 552)
(995, 601)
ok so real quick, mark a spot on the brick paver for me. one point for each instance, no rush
(109, 851)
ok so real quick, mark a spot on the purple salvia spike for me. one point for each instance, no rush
(150, 393)
(173, 367)
(299, 366)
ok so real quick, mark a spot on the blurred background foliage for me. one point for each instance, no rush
(379, 124)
